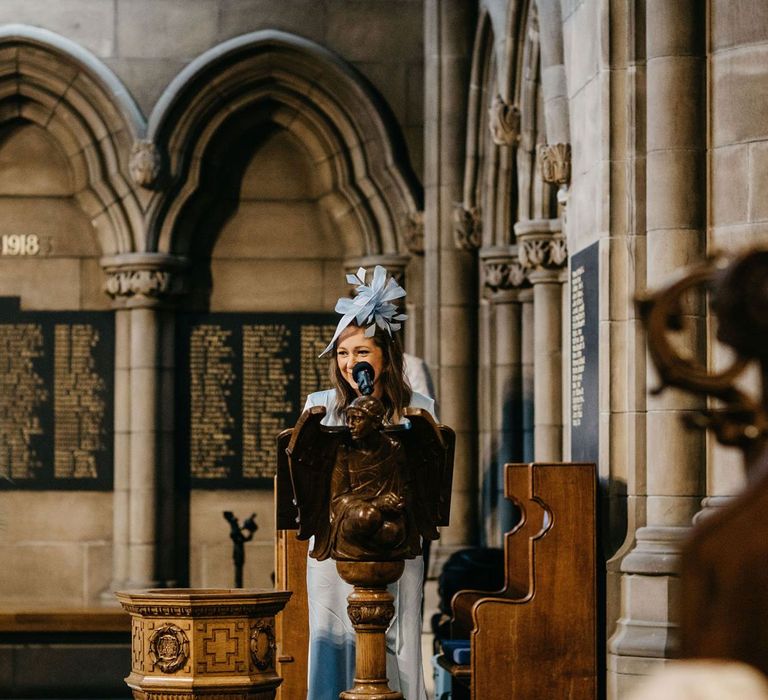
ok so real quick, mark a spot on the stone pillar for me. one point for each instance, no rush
(450, 291)
(122, 452)
(553, 78)
(139, 284)
(676, 237)
(503, 278)
(525, 296)
(543, 252)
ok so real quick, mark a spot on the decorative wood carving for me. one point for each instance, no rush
(368, 495)
(740, 420)
(504, 122)
(724, 571)
(217, 644)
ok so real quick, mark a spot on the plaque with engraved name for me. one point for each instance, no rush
(240, 380)
(56, 389)
(585, 355)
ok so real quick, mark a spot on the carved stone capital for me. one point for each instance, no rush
(145, 163)
(555, 163)
(467, 227)
(541, 245)
(502, 273)
(504, 122)
(144, 279)
(414, 233)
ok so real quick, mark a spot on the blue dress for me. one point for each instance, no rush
(331, 635)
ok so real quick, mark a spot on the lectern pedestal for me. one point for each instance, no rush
(370, 609)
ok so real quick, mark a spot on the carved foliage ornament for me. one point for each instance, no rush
(146, 283)
(504, 122)
(467, 227)
(144, 164)
(169, 648)
(555, 163)
(550, 252)
(503, 275)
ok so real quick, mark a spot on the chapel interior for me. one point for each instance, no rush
(184, 185)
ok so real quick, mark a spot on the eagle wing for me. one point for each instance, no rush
(429, 448)
(311, 455)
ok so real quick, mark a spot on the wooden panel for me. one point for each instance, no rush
(39, 618)
(542, 627)
(724, 579)
(292, 624)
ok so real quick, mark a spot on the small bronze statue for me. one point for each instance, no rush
(239, 536)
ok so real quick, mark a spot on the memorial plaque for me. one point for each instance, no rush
(585, 344)
(56, 392)
(240, 380)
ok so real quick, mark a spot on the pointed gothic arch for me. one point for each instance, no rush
(52, 82)
(274, 78)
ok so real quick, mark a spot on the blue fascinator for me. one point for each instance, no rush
(371, 306)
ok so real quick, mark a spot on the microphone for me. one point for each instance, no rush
(363, 375)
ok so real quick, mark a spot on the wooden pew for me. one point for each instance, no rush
(537, 637)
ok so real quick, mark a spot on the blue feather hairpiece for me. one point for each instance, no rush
(371, 306)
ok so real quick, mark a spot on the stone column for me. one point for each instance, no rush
(553, 78)
(525, 296)
(543, 252)
(121, 474)
(676, 237)
(450, 292)
(139, 284)
(503, 278)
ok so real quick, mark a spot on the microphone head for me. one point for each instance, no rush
(363, 374)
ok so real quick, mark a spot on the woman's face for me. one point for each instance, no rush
(354, 347)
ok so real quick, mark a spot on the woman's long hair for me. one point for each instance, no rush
(396, 392)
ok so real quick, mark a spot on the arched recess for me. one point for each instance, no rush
(274, 78)
(51, 82)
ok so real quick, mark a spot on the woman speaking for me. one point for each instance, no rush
(367, 332)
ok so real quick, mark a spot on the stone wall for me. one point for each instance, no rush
(277, 213)
(147, 42)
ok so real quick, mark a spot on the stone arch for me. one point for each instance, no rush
(276, 78)
(52, 82)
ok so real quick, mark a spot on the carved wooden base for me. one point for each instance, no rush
(202, 643)
(370, 610)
